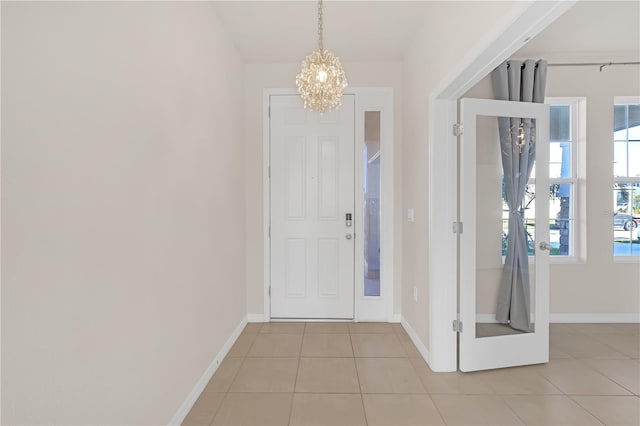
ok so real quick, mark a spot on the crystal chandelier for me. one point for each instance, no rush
(322, 79)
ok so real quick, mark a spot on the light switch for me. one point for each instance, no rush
(410, 215)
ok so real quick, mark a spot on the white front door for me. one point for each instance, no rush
(312, 195)
(485, 344)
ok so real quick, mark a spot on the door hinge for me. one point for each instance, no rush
(269, 172)
(457, 326)
(269, 291)
(269, 111)
(457, 227)
(269, 231)
(458, 129)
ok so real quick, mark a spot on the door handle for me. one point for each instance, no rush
(545, 246)
(348, 236)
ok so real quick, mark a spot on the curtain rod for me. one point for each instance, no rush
(593, 64)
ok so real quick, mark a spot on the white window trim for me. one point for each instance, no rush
(624, 100)
(578, 109)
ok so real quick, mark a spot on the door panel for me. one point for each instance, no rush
(312, 190)
(484, 343)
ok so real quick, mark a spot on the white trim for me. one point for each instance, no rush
(596, 318)
(417, 342)
(257, 318)
(491, 318)
(367, 99)
(578, 234)
(569, 318)
(527, 21)
(266, 199)
(375, 308)
(626, 100)
(486, 318)
(193, 396)
(397, 318)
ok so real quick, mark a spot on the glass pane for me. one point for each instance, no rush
(560, 160)
(634, 159)
(620, 159)
(561, 219)
(371, 157)
(626, 218)
(620, 122)
(634, 122)
(492, 229)
(560, 123)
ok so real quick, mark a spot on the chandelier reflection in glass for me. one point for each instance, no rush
(322, 79)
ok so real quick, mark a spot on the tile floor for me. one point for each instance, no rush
(371, 374)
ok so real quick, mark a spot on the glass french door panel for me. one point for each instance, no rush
(485, 343)
(492, 231)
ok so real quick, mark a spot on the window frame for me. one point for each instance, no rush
(622, 100)
(577, 127)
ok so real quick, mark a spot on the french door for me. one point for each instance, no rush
(312, 210)
(484, 213)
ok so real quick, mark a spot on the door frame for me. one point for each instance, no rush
(528, 20)
(366, 99)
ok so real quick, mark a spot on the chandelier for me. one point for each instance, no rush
(322, 79)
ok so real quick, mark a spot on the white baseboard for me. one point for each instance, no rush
(561, 318)
(193, 396)
(416, 341)
(601, 318)
(395, 318)
(257, 318)
(486, 318)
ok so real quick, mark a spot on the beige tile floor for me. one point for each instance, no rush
(371, 374)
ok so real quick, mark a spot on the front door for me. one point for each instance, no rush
(312, 210)
(490, 212)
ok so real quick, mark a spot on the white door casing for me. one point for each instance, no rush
(312, 191)
(497, 351)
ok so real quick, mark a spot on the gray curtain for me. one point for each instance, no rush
(522, 81)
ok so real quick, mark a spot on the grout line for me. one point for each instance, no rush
(295, 380)
(593, 414)
(504, 401)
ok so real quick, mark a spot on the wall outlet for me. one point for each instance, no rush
(415, 293)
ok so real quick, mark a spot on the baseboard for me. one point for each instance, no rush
(561, 318)
(601, 318)
(486, 318)
(257, 318)
(395, 318)
(416, 341)
(193, 396)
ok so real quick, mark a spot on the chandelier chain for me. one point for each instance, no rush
(320, 29)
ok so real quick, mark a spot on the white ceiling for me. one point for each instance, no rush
(286, 31)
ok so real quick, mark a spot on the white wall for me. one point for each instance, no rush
(599, 284)
(453, 35)
(270, 76)
(122, 208)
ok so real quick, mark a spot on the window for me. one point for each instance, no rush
(566, 119)
(563, 175)
(626, 176)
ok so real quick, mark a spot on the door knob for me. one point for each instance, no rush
(545, 246)
(348, 236)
